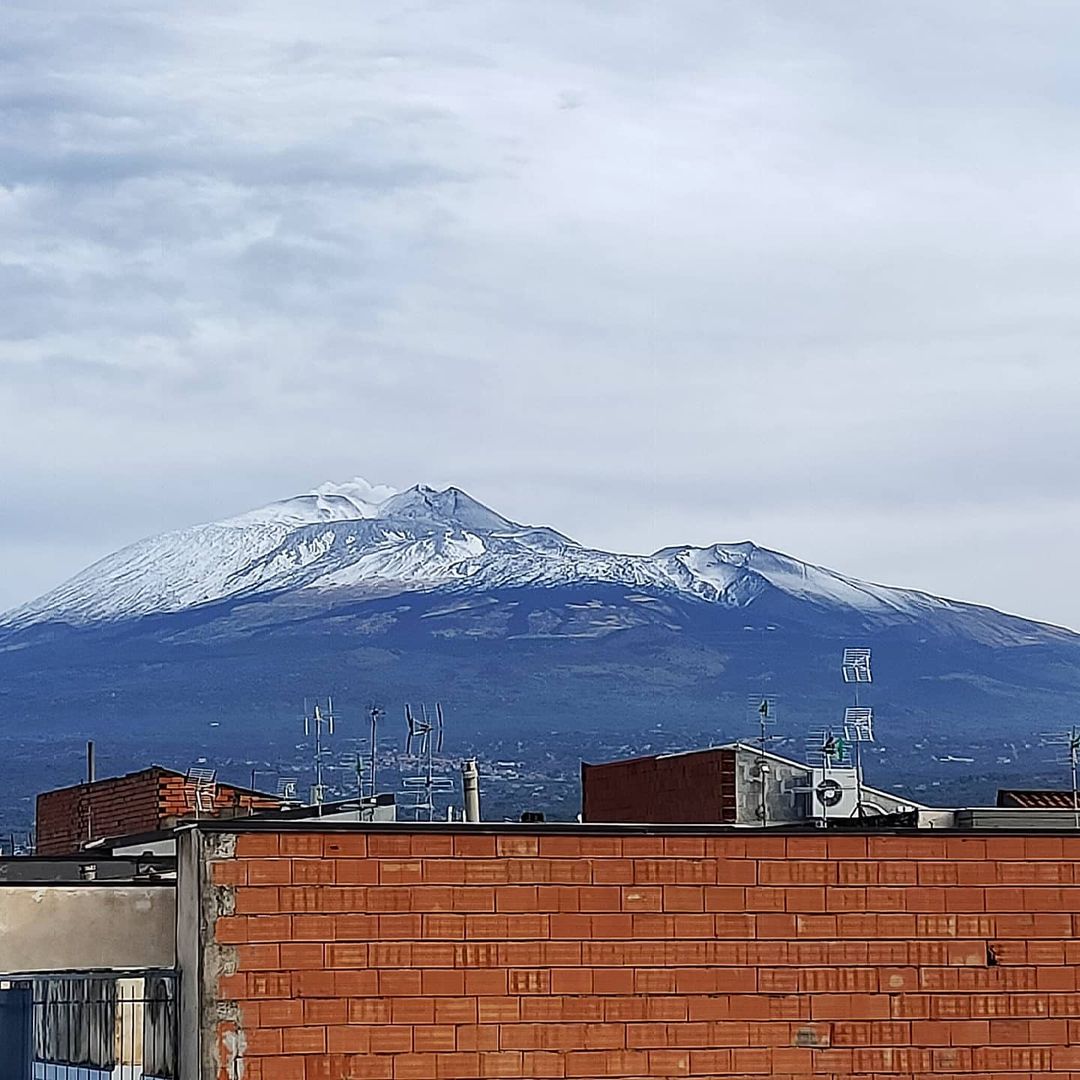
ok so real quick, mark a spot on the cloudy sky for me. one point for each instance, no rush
(651, 273)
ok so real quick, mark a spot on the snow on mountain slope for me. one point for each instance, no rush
(369, 540)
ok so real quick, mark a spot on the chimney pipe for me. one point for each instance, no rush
(470, 783)
(90, 771)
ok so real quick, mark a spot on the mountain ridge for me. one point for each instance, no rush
(362, 540)
(202, 642)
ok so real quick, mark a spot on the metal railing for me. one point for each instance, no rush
(94, 1027)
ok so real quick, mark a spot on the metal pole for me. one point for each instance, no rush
(763, 713)
(1076, 801)
(430, 775)
(91, 773)
(858, 779)
(374, 750)
(318, 761)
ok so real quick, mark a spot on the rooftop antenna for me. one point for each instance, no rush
(200, 783)
(1071, 741)
(826, 750)
(314, 725)
(858, 720)
(375, 714)
(423, 740)
(763, 707)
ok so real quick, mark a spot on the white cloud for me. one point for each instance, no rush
(649, 273)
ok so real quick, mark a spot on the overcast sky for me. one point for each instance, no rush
(650, 273)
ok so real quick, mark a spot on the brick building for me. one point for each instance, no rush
(721, 785)
(147, 801)
(328, 952)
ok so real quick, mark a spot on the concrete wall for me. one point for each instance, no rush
(784, 799)
(401, 954)
(47, 928)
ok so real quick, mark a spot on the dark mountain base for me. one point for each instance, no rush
(536, 679)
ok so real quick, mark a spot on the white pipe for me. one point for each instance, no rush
(470, 783)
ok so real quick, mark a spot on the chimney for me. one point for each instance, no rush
(470, 783)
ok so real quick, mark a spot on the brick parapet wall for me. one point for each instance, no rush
(403, 955)
(673, 788)
(68, 818)
(141, 802)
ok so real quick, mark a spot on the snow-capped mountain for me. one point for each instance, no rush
(203, 643)
(361, 540)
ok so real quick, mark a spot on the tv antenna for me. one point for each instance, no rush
(763, 705)
(375, 714)
(423, 740)
(858, 720)
(827, 750)
(314, 724)
(200, 783)
(1070, 740)
(763, 708)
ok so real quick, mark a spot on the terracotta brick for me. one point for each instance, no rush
(278, 1014)
(391, 1039)
(283, 1068)
(269, 928)
(303, 1040)
(415, 1066)
(345, 845)
(231, 929)
(328, 1012)
(474, 846)
(435, 1038)
(256, 845)
(356, 871)
(430, 845)
(297, 956)
(353, 983)
(307, 844)
(268, 871)
(457, 1066)
(311, 871)
(455, 1010)
(262, 957)
(228, 872)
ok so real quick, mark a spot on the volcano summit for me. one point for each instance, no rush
(203, 642)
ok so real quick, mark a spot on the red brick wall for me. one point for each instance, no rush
(69, 817)
(177, 799)
(674, 788)
(140, 802)
(423, 955)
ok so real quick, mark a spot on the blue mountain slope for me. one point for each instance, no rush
(205, 642)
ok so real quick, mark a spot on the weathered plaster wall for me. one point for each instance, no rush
(46, 928)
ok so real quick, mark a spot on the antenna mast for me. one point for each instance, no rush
(858, 720)
(313, 725)
(423, 741)
(1074, 750)
(376, 715)
(1071, 740)
(764, 705)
